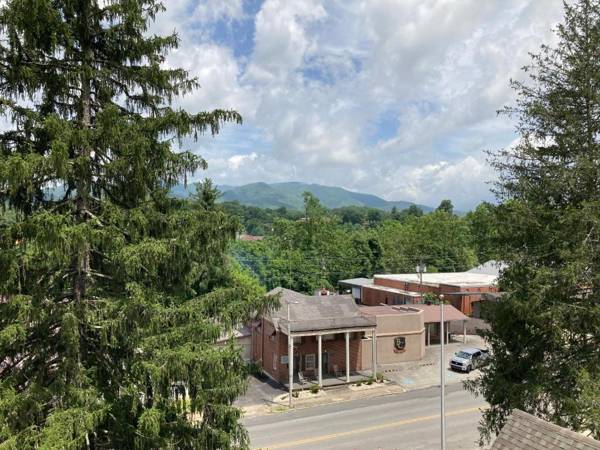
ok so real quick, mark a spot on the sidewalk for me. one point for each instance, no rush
(307, 399)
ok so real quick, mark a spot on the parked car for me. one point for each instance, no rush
(468, 359)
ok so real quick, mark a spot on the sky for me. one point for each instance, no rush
(397, 98)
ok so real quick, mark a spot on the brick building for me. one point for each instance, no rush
(313, 335)
(460, 289)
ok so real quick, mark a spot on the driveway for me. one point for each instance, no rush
(260, 392)
(426, 372)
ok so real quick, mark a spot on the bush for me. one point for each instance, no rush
(379, 377)
(295, 394)
(314, 388)
(370, 381)
(359, 383)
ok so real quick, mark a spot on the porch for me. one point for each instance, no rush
(330, 380)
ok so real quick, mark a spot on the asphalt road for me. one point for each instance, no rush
(403, 421)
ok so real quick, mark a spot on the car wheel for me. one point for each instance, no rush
(469, 368)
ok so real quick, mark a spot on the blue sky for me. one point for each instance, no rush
(392, 97)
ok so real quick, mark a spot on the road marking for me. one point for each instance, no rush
(382, 426)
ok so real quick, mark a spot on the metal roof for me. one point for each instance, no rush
(368, 283)
(523, 431)
(317, 312)
(431, 313)
(449, 278)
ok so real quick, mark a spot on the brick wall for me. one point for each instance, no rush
(278, 346)
(374, 297)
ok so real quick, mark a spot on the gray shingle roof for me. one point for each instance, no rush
(314, 312)
(523, 431)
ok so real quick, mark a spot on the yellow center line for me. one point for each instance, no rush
(382, 426)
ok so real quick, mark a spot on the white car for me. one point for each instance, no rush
(468, 359)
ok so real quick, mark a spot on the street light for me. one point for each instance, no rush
(290, 352)
(442, 375)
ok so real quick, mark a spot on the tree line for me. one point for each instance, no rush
(317, 247)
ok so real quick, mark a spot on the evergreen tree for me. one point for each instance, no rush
(545, 332)
(446, 206)
(112, 294)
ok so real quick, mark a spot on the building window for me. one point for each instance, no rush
(329, 337)
(309, 361)
(399, 344)
(274, 361)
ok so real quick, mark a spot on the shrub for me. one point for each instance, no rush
(359, 383)
(379, 377)
(370, 381)
(314, 388)
(295, 394)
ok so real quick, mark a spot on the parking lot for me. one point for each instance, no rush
(426, 372)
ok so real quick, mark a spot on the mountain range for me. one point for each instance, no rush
(289, 195)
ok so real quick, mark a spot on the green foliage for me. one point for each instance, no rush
(314, 389)
(440, 239)
(113, 294)
(545, 331)
(484, 233)
(379, 377)
(446, 206)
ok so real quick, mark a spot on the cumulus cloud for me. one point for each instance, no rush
(397, 98)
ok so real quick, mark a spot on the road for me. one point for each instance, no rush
(404, 421)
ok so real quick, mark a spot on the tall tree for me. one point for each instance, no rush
(112, 295)
(545, 332)
(446, 206)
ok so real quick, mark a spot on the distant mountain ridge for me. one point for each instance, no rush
(289, 195)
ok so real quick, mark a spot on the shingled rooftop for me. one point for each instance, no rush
(526, 432)
(311, 313)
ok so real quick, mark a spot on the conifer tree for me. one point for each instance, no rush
(112, 294)
(545, 331)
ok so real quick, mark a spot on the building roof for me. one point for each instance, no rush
(368, 283)
(490, 267)
(523, 431)
(357, 281)
(431, 313)
(449, 278)
(317, 312)
(382, 310)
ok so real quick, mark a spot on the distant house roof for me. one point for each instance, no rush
(449, 278)
(250, 237)
(368, 283)
(317, 312)
(523, 431)
(431, 313)
(491, 267)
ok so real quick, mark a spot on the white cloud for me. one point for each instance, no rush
(393, 97)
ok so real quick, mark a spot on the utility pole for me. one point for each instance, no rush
(420, 269)
(442, 375)
(290, 353)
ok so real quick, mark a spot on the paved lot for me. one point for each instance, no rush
(260, 392)
(426, 372)
(403, 421)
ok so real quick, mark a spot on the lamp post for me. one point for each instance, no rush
(442, 376)
(290, 352)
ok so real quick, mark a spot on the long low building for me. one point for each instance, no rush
(460, 289)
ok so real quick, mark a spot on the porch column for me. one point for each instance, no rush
(291, 366)
(464, 331)
(428, 335)
(447, 332)
(347, 357)
(374, 353)
(320, 353)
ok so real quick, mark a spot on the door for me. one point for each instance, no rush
(325, 362)
(297, 364)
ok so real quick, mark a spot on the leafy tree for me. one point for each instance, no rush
(441, 240)
(113, 294)
(483, 228)
(446, 206)
(545, 333)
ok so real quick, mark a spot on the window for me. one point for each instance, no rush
(274, 361)
(399, 344)
(309, 361)
(329, 337)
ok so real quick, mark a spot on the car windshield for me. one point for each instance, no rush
(464, 355)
